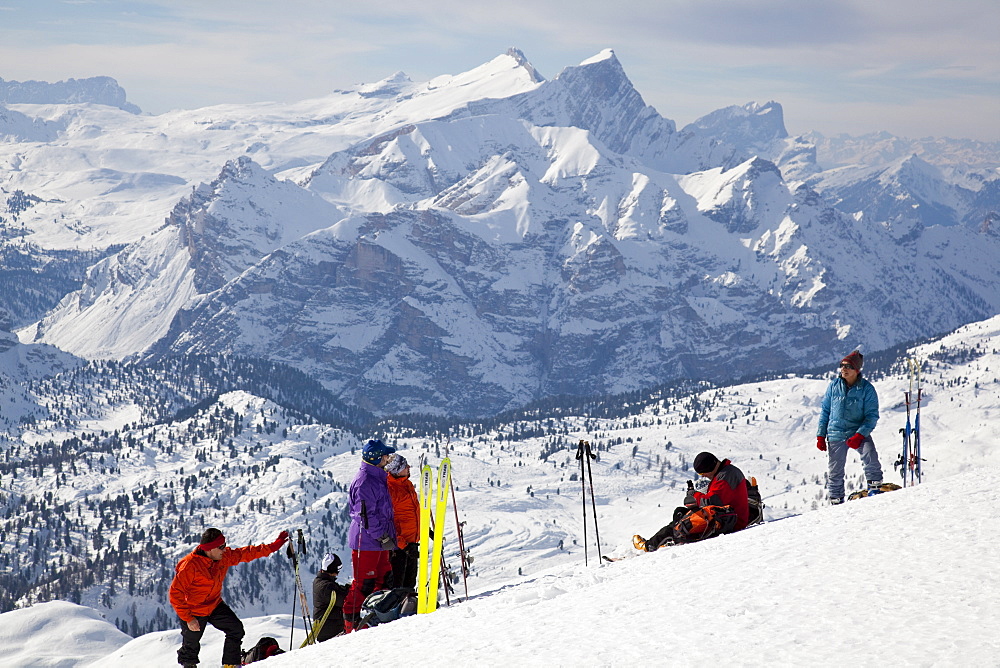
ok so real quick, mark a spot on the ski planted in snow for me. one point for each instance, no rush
(426, 477)
(907, 432)
(915, 470)
(431, 566)
(440, 506)
(319, 623)
(463, 554)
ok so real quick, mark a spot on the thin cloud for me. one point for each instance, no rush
(686, 57)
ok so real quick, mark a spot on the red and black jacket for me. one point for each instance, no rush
(727, 488)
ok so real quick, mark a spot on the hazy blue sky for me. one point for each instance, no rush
(909, 67)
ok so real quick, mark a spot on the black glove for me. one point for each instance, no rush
(689, 499)
(412, 550)
(387, 543)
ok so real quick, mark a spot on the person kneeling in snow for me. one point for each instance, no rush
(196, 594)
(727, 486)
(327, 590)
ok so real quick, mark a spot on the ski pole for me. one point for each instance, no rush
(583, 489)
(461, 538)
(306, 616)
(593, 501)
(290, 553)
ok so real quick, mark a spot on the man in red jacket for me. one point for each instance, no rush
(196, 594)
(727, 487)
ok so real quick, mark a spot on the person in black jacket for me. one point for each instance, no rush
(325, 587)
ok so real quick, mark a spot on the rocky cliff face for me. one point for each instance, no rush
(95, 90)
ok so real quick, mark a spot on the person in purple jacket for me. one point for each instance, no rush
(372, 536)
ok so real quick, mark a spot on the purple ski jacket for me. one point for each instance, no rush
(371, 510)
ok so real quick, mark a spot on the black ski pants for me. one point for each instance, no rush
(667, 532)
(222, 618)
(404, 566)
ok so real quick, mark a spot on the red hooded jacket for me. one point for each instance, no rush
(727, 488)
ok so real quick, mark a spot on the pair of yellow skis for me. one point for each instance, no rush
(429, 569)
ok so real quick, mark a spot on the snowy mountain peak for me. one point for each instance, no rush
(522, 60)
(750, 124)
(605, 55)
(388, 87)
(917, 167)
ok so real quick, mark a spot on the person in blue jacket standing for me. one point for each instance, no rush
(846, 420)
(372, 535)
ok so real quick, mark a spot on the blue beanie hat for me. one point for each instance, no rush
(374, 450)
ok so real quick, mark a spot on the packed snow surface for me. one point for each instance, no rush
(902, 576)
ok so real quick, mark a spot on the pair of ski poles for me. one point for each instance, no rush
(293, 554)
(584, 455)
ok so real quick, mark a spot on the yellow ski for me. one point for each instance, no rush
(425, 536)
(443, 485)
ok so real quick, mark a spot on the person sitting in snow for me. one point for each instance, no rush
(847, 417)
(327, 589)
(727, 486)
(372, 535)
(196, 594)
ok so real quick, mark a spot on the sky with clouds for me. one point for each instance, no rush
(911, 68)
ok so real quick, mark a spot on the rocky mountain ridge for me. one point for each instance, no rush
(476, 242)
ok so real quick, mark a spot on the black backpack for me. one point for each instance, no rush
(387, 605)
(265, 647)
(755, 502)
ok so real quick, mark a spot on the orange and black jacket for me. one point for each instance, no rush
(197, 585)
(728, 488)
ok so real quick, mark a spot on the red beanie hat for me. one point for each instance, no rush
(855, 359)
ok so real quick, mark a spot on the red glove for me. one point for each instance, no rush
(855, 441)
(821, 443)
(282, 539)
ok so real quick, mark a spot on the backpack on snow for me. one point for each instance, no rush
(755, 502)
(704, 522)
(387, 605)
(884, 487)
(265, 647)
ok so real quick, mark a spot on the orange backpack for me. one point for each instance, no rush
(705, 522)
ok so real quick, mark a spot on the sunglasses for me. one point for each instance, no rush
(845, 365)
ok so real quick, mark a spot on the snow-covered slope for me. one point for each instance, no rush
(21, 364)
(57, 634)
(127, 498)
(771, 594)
